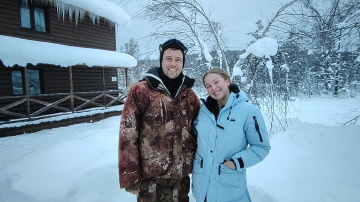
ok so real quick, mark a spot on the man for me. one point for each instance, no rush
(156, 142)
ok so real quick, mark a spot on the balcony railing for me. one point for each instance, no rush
(107, 97)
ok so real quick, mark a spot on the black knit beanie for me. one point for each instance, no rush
(175, 44)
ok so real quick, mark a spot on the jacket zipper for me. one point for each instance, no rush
(257, 128)
(201, 161)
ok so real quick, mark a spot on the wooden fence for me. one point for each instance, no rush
(75, 102)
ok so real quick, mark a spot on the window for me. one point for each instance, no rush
(17, 83)
(33, 16)
(39, 18)
(33, 80)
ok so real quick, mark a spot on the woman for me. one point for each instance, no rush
(231, 136)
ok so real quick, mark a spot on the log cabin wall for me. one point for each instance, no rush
(85, 34)
(56, 85)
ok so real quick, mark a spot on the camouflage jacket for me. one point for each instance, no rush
(156, 138)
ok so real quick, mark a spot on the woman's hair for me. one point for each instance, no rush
(218, 71)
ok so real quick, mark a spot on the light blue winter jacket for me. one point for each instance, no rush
(239, 134)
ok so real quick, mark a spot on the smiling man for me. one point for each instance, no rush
(156, 141)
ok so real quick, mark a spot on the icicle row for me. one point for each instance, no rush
(76, 12)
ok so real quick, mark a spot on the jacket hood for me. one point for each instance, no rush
(152, 75)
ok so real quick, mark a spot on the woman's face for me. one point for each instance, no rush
(217, 87)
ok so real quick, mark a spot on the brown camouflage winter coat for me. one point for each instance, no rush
(156, 138)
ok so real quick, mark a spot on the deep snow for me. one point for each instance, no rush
(315, 159)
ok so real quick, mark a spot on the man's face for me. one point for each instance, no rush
(172, 63)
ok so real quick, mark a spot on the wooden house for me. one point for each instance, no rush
(58, 58)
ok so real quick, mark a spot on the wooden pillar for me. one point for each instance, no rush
(26, 85)
(71, 90)
(126, 78)
(103, 83)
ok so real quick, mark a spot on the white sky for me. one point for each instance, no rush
(315, 159)
(237, 17)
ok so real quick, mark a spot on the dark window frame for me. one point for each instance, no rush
(26, 79)
(22, 82)
(32, 5)
(39, 80)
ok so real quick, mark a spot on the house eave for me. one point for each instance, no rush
(17, 51)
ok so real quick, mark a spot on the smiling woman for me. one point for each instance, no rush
(231, 137)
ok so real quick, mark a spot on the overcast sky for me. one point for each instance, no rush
(237, 17)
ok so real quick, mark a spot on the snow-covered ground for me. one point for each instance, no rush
(315, 159)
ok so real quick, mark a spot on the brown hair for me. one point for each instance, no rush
(218, 71)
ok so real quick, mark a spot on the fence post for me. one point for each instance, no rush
(103, 83)
(25, 81)
(71, 90)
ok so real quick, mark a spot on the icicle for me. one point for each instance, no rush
(77, 15)
(92, 17)
(71, 12)
(74, 12)
(61, 9)
(81, 14)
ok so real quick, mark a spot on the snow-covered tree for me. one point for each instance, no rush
(188, 21)
(131, 48)
(328, 28)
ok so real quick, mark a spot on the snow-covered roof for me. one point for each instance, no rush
(103, 8)
(16, 51)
